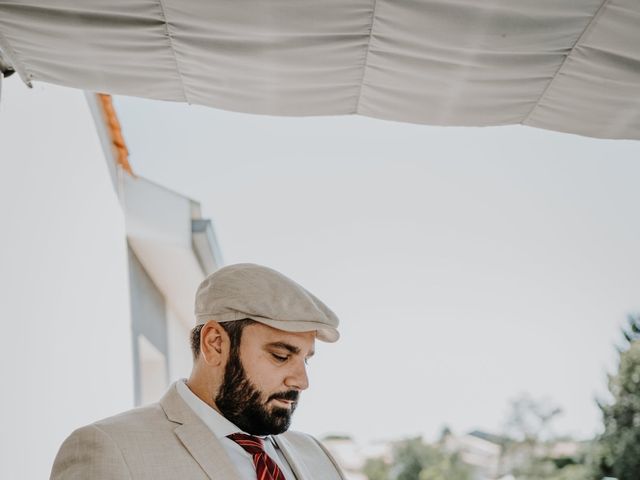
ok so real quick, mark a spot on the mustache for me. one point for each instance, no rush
(291, 395)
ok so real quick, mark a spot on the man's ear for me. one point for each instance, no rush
(214, 343)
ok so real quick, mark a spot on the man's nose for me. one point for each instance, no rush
(298, 378)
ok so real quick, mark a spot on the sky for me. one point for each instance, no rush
(468, 266)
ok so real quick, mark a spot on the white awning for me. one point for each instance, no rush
(566, 65)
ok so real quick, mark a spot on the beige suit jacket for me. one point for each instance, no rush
(167, 441)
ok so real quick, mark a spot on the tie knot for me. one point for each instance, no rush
(253, 445)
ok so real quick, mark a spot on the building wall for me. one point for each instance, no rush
(65, 329)
(161, 351)
(180, 359)
(149, 329)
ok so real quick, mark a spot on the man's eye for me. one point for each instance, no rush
(279, 358)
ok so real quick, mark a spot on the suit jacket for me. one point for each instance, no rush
(167, 441)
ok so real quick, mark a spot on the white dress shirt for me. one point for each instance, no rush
(221, 427)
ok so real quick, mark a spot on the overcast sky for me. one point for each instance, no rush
(467, 265)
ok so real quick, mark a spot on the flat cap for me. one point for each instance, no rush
(247, 290)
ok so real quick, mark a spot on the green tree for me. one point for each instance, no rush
(572, 472)
(530, 441)
(410, 457)
(376, 469)
(528, 433)
(415, 460)
(446, 466)
(619, 446)
(530, 420)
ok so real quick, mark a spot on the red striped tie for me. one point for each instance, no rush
(266, 468)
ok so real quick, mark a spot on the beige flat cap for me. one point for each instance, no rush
(246, 290)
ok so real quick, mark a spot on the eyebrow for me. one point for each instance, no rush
(290, 348)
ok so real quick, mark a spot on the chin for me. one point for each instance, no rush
(281, 421)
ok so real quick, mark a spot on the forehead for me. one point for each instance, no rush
(259, 334)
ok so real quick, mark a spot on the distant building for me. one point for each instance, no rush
(488, 455)
(171, 248)
(349, 455)
(491, 457)
(480, 450)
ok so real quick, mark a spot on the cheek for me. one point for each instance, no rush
(267, 378)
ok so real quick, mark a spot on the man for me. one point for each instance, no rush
(255, 331)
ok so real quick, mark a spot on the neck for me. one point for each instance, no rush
(202, 391)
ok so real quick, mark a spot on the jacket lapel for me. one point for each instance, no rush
(201, 443)
(297, 466)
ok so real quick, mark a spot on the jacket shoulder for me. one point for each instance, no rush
(151, 415)
(89, 452)
(314, 455)
(96, 450)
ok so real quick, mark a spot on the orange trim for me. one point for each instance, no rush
(111, 118)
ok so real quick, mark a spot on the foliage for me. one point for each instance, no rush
(415, 460)
(529, 450)
(410, 457)
(376, 469)
(572, 472)
(545, 468)
(446, 466)
(528, 445)
(530, 420)
(619, 446)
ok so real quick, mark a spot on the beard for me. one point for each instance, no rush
(242, 403)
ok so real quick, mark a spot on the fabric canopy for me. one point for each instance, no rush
(566, 65)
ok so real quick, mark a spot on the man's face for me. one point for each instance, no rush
(263, 379)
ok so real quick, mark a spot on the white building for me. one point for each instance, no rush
(348, 454)
(98, 270)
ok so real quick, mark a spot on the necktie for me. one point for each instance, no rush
(266, 468)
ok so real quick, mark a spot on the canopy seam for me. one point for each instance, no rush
(17, 65)
(366, 55)
(586, 29)
(173, 49)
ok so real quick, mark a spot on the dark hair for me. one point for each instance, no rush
(233, 329)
